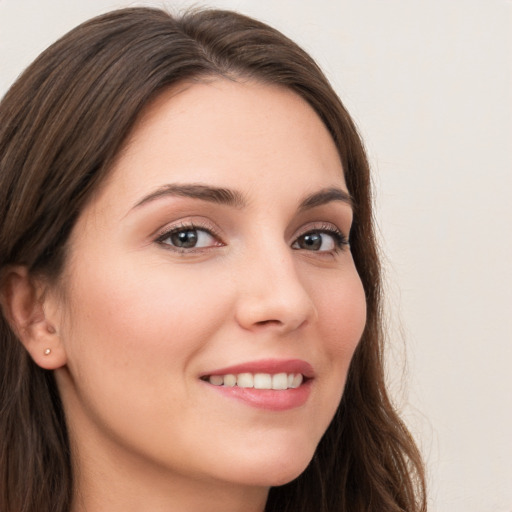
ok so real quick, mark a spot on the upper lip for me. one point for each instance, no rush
(271, 366)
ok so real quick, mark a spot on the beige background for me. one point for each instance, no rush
(430, 85)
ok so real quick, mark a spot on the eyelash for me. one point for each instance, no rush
(340, 240)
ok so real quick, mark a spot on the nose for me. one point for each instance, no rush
(271, 295)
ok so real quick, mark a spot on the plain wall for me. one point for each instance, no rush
(430, 86)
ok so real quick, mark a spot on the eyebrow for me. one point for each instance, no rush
(325, 196)
(229, 197)
(197, 191)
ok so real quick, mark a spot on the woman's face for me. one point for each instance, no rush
(214, 258)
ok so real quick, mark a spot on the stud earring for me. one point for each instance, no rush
(48, 351)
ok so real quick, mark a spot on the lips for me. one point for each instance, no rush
(271, 366)
(270, 384)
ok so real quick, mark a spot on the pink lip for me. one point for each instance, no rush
(271, 366)
(268, 399)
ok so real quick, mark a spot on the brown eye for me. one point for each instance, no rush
(189, 237)
(185, 239)
(310, 241)
(320, 241)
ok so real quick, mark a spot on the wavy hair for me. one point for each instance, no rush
(62, 124)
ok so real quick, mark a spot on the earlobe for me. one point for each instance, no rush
(23, 301)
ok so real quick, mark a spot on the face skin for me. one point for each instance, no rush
(141, 321)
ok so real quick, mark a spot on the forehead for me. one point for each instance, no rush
(228, 133)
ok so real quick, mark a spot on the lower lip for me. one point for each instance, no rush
(269, 399)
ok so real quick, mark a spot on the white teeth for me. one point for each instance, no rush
(297, 381)
(278, 381)
(217, 380)
(263, 381)
(230, 380)
(245, 380)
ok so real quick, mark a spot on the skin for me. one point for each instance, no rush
(137, 321)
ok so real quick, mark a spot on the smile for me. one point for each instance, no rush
(278, 381)
(270, 384)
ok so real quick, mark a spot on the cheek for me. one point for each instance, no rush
(142, 318)
(341, 306)
(134, 333)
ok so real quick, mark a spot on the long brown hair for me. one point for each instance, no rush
(61, 126)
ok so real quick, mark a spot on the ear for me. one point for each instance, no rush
(24, 303)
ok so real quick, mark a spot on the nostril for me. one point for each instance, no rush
(268, 322)
(278, 324)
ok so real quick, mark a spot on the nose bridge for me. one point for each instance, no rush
(271, 293)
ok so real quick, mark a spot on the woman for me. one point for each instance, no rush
(189, 280)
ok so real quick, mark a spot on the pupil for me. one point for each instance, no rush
(185, 239)
(312, 241)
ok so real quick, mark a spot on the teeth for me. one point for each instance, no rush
(280, 381)
(263, 381)
(245, 380)
(297, 381)
(277, 381)
(217, 380)
(229, 380)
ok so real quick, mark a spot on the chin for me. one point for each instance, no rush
(287, 475)
(282, 475)
(274, 469)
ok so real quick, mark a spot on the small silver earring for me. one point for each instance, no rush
(48, 351)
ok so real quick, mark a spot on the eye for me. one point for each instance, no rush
(189, 237)
(321, 240)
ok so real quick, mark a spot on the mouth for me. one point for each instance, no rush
(270, 384)
(278, 381)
